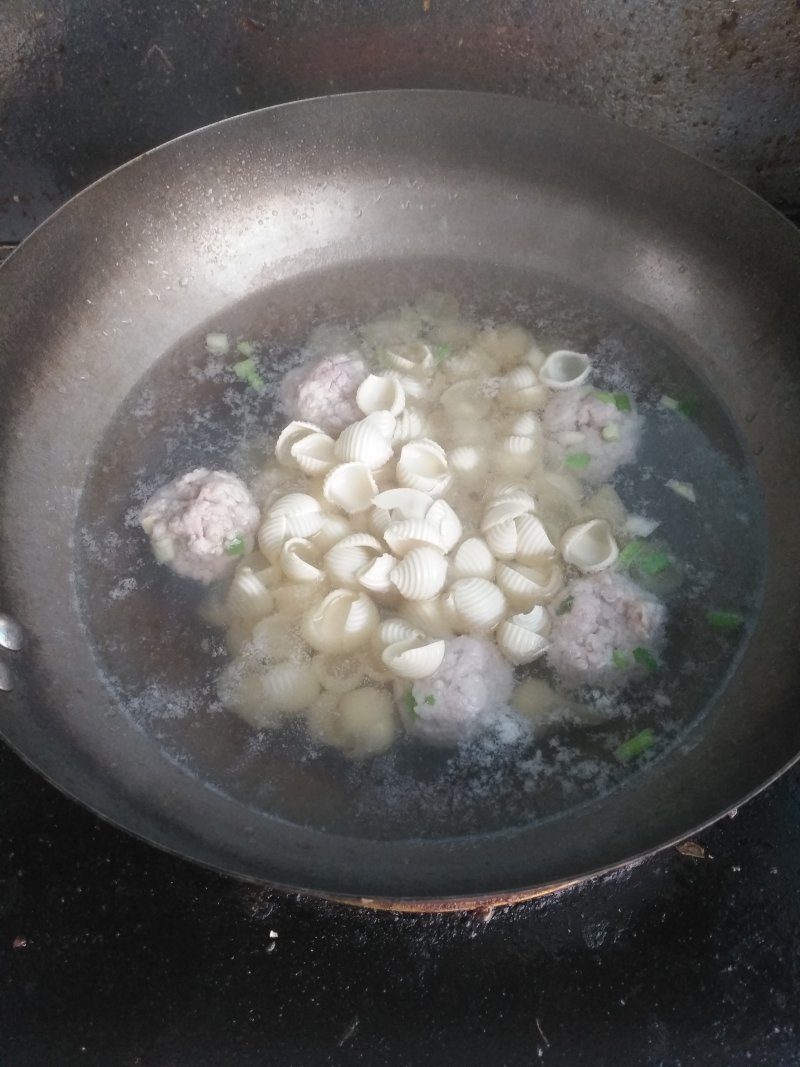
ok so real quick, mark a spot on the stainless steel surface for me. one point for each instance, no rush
(85, 85)
(286, 201)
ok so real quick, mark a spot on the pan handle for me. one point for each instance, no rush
(12, 639)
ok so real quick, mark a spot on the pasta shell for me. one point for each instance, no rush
(334, 528)
(476, 604)
(526, 425)
(300, 561)
(505, 510)
(423, 465)
(275, 640)
(406, 534)
(313, 453)
(429, 616)
(589, 546)
(502, 539)
(361, 723)
(337, 673)
(290, 436)
(565, 369)
(414, 388)
(415, 359)
(374, 575)
(518, 445)
(518, 643)
(535, 357)
(532, 540)
(380, 392)
(410, 426)
(379, 521)
(466, 400)
(360, 442)
(344, 561)
(469, 364)
(467, 460)
(522, 390)
(474, 559)
(526, 586)
(421, 574)
(350, 486)
(248, 596)
(302, 513)
(271, 535)
(446, 522)
(404, 503)
(515, 491)
(393, 630)
(417, 657)
(382, 421)
(342, 622)
(289, 688)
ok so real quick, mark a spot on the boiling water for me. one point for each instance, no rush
(161, 661)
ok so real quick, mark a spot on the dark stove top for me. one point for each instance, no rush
(116, 955)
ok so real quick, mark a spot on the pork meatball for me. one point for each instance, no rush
(457, 702)
(588, 422)
(324, 392)
(597, 617)
(200, 523)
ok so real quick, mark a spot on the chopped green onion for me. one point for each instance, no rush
(645, 658)
(689, 408)
(429, 699)
(670, 403)
(607, 398)
(440, 353)
(246, 349)
(248, 372)
(653, 562)
(631, 552)
(235, 548)
(635, 746)
(684, 489)
(164, 550)
(577, 461)
(409, 703)
(623, 402)
(620, 659)
(610, 432)
(727, 621)
(565, 605)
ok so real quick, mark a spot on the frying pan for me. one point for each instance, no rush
(331, 208)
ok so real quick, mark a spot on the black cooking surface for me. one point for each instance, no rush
(116, 955)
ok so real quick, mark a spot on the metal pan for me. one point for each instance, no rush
(334, 207)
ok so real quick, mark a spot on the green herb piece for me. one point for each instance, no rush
(653, 562)
(246, 349)
(577, 461)
(410, 704)
(620, 659)
(635, 746)
(645, 658)
(623, 402)
(429, 699)
(565, 605)
(631, 552)
(610, 432)
(440, 353)
(607, 398)
(235, 548)
(690, 407)
(669, 402)
(727, 621)
(248, 372)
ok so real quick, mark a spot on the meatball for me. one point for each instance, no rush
(200, 523)
(582, 421)
(607, 614)
(457, 701)
(324, 392)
